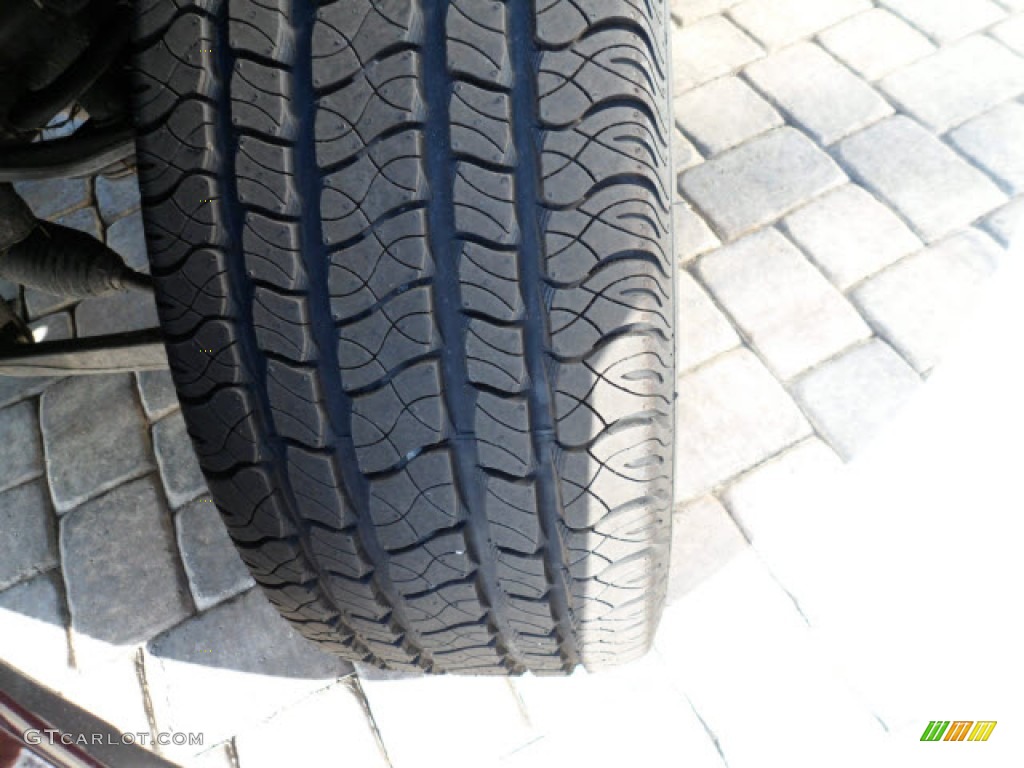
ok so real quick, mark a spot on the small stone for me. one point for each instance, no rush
(702, 331)
(736, 415)
(922, 178)
(875, 43)
(723, 113)
(28, 545)
(849, 399)
(757, 182)
(21, 451)
(791, 314)
(919, 304)
(179, 468)
(156, 389)
(704, 539)
(215, 570)
(115, 197)
(48, 199)
(777, 23)
(850, 235)
(123, 578)
(95, 437)
(823, 96)
(957, 83)
(708, 49)
(947, 20)
(994, 141)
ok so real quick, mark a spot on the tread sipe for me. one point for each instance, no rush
(413, 263)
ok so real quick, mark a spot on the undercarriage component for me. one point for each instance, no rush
(16, 218)
(117, 353)
(85, 153)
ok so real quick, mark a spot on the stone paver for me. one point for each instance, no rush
(179, 467)
(850, 235)
(21, 451)
(922, 178)
(818, 92)
(193, 669)
(53, 197)
(777, 23)
(724, 113)
(35, 636)
(156, 390)
(947, 20)
(84, 220)
(29, 542)
(94, 435)
(849, 399)
(335, 711)
(116, 197)
(55, 327)
(994, 142)
(788, 310)
(692, 234)
(875, 43)
(736, 415)
(684, 155)
(127, 237)
(685, 12)
(702, 331)
(919, 304)
(1006, 224)
(1011, 34)
(758, 182)
(704, 540)
(708, 49)
(123, 576)
(115, 313)
(215, 570)
(957, 83)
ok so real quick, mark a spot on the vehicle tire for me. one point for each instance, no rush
(413, 262)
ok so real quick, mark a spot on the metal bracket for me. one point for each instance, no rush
(115, 353)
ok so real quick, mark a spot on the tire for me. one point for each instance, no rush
(413, 262)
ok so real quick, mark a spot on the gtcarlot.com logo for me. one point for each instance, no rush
(958, 730)
(37, 736)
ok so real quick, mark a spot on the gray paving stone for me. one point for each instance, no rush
(760, 500)
(116, 313)
(947, 20)
(736, 415)
(34, 637)
(21, 450)
(232, 667)
(702, 331)
(777, 23)
(16, 388)
(50, 198)
(708, 49)
(688, 11)
(156, 389)
(128, 238)
(1006, 225)
(850, 235)
(849, 399)
(995, 141)
(922, 178)
(789, 311)
(1011, 33)
(684, 154)
(84, 220)
(116, 197)
(918, 305)
(40, 304)
(760, 181)
(336, 710)
(875, 43)
(692, 234)
(179, 467)
(215, 570)
(123, 577)
(957, 83)
(29, 542)
(818, 92)
(704, 539)
(723, 113)
(95, 437)
(55, 327)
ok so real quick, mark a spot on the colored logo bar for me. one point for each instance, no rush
(958, 730)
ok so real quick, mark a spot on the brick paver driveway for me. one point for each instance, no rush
(849, 174)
